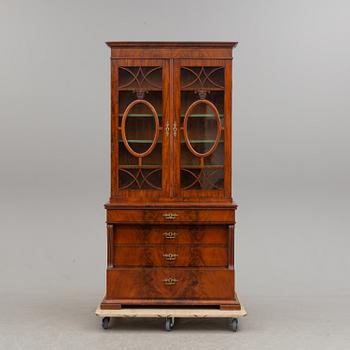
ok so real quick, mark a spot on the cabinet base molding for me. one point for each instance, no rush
(110, 305)
(230, 306)
(113, 304)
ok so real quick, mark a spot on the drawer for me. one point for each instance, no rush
(171, 216)
(170, 234)
(180, 255)
(148, 283)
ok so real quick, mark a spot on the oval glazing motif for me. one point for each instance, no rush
(213, 115)
(155, 118)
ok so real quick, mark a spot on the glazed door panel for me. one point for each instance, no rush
(202, 95)
(140, 128)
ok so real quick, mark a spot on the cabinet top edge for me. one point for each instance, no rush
(171, 205)
(173, 44)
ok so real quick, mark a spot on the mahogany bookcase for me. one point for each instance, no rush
(171, 216)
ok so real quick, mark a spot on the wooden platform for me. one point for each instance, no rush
(182, 313)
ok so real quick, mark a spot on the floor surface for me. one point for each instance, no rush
(272, 323)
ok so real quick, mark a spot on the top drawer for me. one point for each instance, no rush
(171, 216)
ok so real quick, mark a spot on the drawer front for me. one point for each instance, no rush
(174, 234)
(195, 284)
(180, 255)
(171, 216)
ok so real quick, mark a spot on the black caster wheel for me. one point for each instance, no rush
(234, 324)
(169, 323)
(105, 322)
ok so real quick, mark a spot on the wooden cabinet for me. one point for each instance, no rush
(171, 217)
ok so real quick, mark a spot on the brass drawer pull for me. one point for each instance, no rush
(170, 281)
(170, 256)
(169, 216)
(169, 235)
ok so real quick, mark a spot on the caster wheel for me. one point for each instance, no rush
(105, 322)
(235, 324)
(169, 323)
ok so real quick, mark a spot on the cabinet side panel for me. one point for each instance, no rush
(114, 126)
(228, 129)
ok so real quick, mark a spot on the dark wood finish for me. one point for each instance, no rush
(150, 283)
(231, 246)
(229, 307)
(115, 304)
(171, 216)
(170, 255)
(170, 234)
(110, 305)
(171, 50)
(128, 195)
(110, 246)
(159, 216)
(172, 44)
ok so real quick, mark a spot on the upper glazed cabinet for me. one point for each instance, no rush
(171, 129)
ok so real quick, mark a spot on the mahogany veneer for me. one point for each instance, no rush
(190, 216)
(171, 216)
(170, 255)
(210, 284)
(170, 234)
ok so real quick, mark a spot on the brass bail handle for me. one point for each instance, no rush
(169, 235)
(170, 281)
(170, 256)
(170, 216)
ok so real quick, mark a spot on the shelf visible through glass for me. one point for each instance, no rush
(144, 115)
(182, 141)
(135, 166)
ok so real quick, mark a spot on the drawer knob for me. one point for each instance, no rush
(169, 216)
(169, 235)
(170, 281)
(170, 256)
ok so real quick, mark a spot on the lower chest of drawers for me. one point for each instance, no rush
(170, 262)
(169, 246)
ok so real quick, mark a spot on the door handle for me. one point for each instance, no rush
(175, 129)
(167, 129)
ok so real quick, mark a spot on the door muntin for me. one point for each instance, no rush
(140, 126)
(201, 163)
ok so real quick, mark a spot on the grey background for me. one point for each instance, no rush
(291, 169)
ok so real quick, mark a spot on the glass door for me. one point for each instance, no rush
(141, 124)
(202, 156)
